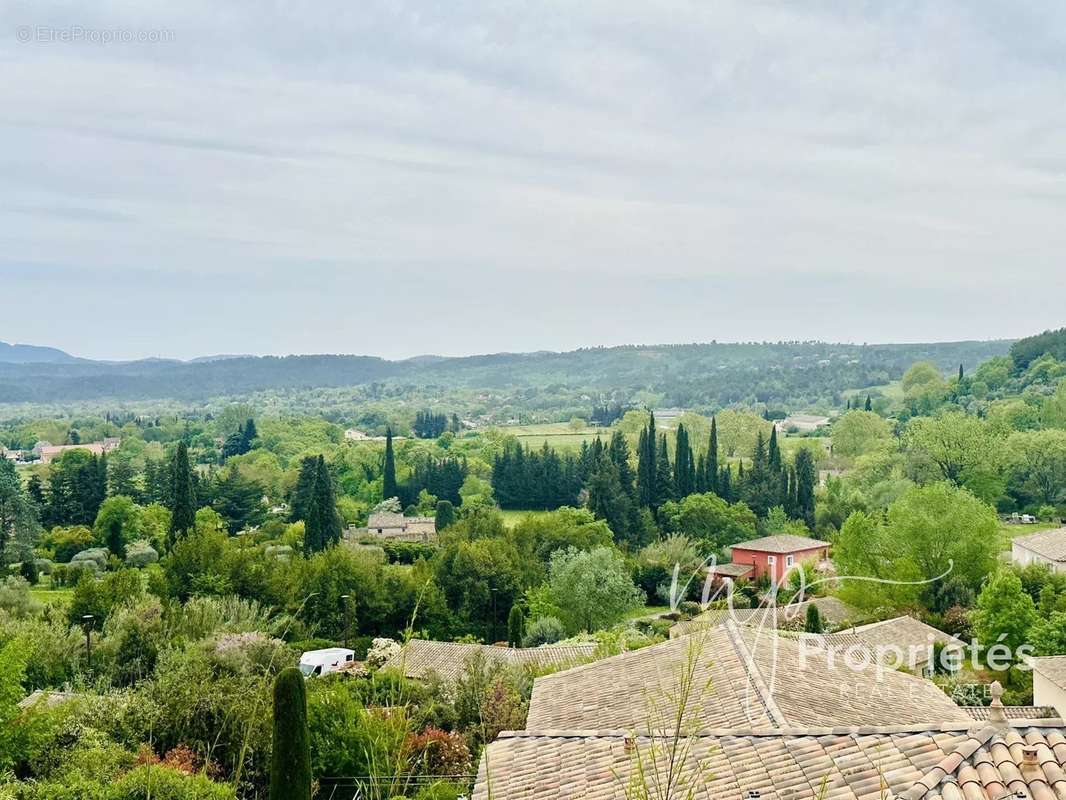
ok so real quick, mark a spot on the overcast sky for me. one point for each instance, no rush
(396, 178)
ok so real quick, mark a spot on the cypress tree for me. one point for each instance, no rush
(290, 758)
(445, 515)
(647, 464)
(806, 478)
(664, 484)
(183, 494)
(388, 485)
(684, 470)
(813, 623)
(516, 626)
(773, 456)
(869, 405)
(960, 372)
(724, 484)
(303, 493)
(711, 464)
(322, 526)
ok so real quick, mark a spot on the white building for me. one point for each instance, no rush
(1046, 547)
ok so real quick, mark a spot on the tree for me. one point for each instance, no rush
(710, 462)
(19, 528)
(806, 480)
(963, 449)
(122, 477)
(183, 496)
(859, 432)
(290, 757)
(869, 406)
(389, 487)
(684, 465)
(647, 464)
(117, 524)
(322, 525)
(303, 493)
(922, 377)
(1048, 634)
(593, 589)
(516, 626)
(813, 622)
(1003, 610)
(710, 519)
(1037, 464)
(664, 481)
(239, 500)
(737, 430)
(445, 515)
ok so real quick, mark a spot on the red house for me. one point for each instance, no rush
(773, 555)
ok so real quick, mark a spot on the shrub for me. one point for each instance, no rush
(28, 570)
(140, 554)
(290, 766)
(15, 598)
(438, 752)
(149, 782)
(96, 556)
(546, 630)
(44, 566)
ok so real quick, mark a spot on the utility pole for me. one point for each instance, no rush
(347, 600)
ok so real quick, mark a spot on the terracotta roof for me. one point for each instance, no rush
(925, 762)
(781, 543)
(47, 698)
(746, 678)
(1049, 544)
(421, 658)
(731, 570)
(912, 636)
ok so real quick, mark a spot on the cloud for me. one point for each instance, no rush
(470, 177)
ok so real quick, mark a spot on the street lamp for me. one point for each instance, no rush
(87, 623)
(347, 600)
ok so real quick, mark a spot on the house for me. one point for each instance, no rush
(773, 555)
(422, 659)
(354, 435)
(1049, 682)
(1000, 759)
(747, 678)
(1046, 547)
(801, 423)
(396, 527)
(47, 452)
(901, 642)
(10, 455)
(668, 417)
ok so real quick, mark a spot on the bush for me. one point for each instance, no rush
(28, 570)
(546, 630)
(165, 783)
(95, 556)
(44, 566)
(140, 555)
(15, 598)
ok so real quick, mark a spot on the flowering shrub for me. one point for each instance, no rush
(439, 752)
(381, 650)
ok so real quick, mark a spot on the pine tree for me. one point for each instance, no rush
(710, 465)
(323, 525)
(869, 404)
(183, 494)
(122, 478)
(516, 626)
(248, 434)
(290, 758)
(724, 484)
(303, 493)
(389, 488)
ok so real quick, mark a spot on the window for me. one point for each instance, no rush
(771, 561)
(790, 560)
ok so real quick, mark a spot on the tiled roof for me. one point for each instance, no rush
(746, 678)
(1050, 544)
(47, 698)
(924, 762)
(420, 658)
(731, 570)
(781, 543)
(906, 632)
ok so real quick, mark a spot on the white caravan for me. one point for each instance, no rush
(322, 662)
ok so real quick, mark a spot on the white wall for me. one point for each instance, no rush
(1046, 693)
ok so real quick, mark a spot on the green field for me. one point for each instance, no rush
(512, 518)
(44, 592)
(557, 434)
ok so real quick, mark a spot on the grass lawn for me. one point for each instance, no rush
(512, 518)
(647, 611)
(44, 592)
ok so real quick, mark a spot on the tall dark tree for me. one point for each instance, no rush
(664, 481)
(684, 466)
(724, 488)
(122, 477)
(389, 487)
(445, 515)
(960, 372)
(18, 516)
(290, 757)
(806, 480)
(239, 501)
(183, 494)
(248, 435)
(303, 493)
(516, 626)
(869, 404)
(322, 525)
(647, 464)
(710, 464)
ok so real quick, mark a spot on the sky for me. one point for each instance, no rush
(397, 178)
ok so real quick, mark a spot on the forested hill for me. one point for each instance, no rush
(715, 373)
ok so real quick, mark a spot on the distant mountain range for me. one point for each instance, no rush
(33, 354)
(715, 374)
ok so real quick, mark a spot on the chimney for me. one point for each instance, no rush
(628, 744)
(996, 715)
(1029, 756)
